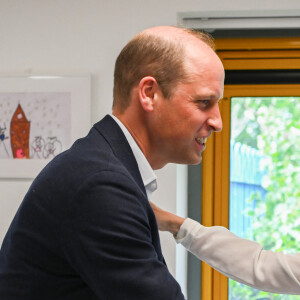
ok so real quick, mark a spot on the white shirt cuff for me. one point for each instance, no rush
(185, 232)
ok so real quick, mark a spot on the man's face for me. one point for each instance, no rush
(184, 122)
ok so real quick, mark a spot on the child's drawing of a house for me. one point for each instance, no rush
(19, 134)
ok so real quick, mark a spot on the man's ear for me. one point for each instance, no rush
(148, 88)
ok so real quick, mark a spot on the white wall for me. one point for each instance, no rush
(78, 37)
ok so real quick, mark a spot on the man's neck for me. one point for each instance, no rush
(135, 122)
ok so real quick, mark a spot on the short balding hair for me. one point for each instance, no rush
(151, 55)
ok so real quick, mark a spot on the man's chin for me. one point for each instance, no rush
(188, 160)
(195, 161)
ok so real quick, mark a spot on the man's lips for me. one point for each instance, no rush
(200, 142)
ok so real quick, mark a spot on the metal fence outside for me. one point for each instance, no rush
(245, 179)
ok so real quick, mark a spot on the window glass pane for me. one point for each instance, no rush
(265, 178)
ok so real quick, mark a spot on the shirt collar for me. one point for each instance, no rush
(148, 176)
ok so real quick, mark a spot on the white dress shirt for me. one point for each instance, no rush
(240, 259)
(148, 176)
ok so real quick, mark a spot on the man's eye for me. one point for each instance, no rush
(203, 103)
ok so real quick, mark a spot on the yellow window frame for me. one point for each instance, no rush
(252, 54)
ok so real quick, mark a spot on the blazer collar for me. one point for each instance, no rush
(121, 148)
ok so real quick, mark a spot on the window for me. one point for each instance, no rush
(255, 70)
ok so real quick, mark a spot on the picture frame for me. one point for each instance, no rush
(54, 109)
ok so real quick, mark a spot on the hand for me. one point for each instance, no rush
(166, 220)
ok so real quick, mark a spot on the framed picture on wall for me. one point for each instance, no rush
(40, 117)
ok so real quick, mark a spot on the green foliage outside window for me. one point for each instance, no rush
(271, 125)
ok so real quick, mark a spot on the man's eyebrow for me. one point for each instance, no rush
(206, 97)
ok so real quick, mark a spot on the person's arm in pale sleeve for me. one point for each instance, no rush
(242, 260)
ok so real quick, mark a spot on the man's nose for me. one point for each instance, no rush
(215, 120)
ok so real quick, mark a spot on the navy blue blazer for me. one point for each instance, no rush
(85, 229)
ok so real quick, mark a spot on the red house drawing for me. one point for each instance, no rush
(19, 134)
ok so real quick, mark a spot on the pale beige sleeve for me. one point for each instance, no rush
(242, 260)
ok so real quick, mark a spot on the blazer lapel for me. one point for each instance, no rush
(120, 146)
(113, 134)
